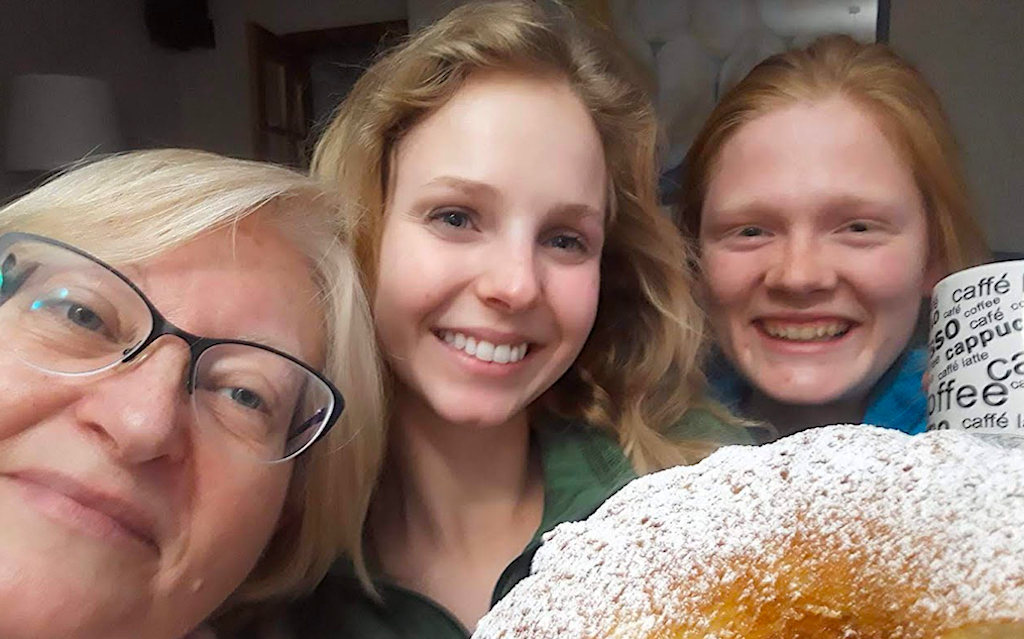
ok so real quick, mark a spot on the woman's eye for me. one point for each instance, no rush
(84, 317)
(245, 398)
(750, 231)
(78, 314)
(454, 219)
(567, 243)
(858, 227)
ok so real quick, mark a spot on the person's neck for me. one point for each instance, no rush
(793, 418)
(448, 485)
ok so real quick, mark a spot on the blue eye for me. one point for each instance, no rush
(78, 314)
(84, 317)
(454, 219)
(566, 243)
(245, 397)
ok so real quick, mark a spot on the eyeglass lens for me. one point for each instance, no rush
(64, 313)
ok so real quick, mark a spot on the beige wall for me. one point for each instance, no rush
(973, 53)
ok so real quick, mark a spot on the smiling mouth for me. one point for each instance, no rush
(482, 349)
(82, 507)
(806, 331)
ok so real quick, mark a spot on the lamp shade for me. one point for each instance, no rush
(58, 119)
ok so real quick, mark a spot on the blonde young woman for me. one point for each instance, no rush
(189, 395)
(540, 337)
(826, 196)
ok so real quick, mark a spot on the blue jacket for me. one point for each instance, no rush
(896, 401)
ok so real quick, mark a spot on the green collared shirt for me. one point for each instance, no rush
(582, 468)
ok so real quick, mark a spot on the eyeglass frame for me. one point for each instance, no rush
(197, 344)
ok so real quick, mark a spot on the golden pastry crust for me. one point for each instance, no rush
(844, 532)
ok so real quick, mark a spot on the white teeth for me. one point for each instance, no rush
(805, 333)
(502, 354)
(483, 350)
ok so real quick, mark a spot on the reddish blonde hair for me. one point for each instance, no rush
(878, 80)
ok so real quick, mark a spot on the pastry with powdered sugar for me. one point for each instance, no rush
(845, 532)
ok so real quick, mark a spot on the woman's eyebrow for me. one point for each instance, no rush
(578, 211)
(843, 203)
(477, 188)
(855, 204)
(265, 339)
(137, 276)
(742, 209)
(471, 187)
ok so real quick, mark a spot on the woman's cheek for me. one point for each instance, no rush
(726, 277)
(573, 295)
(894, 273)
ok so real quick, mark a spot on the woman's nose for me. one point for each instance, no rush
(801, 267)
(143, 411)
(509, 279)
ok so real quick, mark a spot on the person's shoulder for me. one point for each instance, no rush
(338, 606)
(577, 454)
(712, 425)
(560, 435)
(898, 400)
(342, 607)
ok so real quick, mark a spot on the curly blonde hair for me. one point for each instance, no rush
(638, 372)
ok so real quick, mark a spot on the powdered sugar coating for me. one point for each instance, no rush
(867, 531)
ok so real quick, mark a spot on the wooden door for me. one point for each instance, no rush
(282, 109)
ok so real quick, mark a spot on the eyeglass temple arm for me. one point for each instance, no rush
(317, 417)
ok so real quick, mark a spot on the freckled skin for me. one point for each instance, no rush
(811, 214)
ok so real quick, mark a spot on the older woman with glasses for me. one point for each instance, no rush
(189, 395)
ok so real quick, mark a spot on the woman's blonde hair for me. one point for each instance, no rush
(130, 207)
(638, 372)
(893, 91)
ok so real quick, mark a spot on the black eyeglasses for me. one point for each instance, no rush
(65, 312)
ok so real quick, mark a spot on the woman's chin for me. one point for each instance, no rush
(807, 398)
(61, 606)
(470, 408)
(479, 420)
(807, 390)
(809, 385)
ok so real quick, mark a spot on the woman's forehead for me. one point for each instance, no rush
(245, 283)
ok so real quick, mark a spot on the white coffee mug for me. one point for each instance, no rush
(976, 353)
